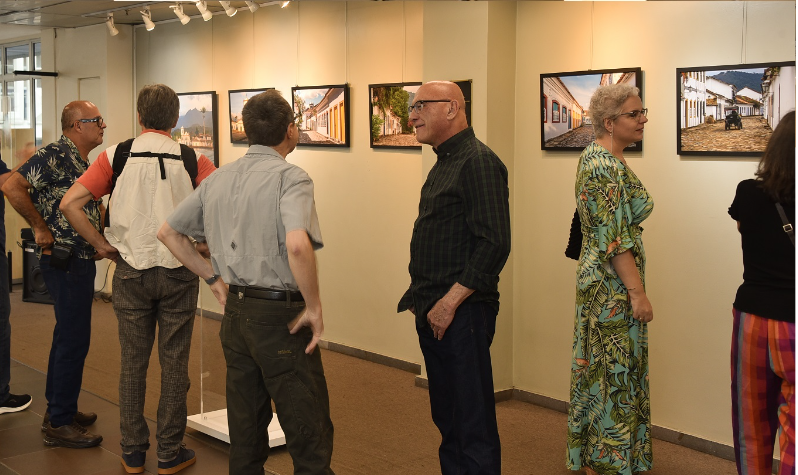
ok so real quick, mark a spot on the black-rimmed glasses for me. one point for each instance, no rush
(635, 114)
(418, 106)
(99, 120)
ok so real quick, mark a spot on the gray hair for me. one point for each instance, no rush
(607, 102)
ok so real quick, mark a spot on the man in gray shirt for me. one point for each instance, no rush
(258, 217)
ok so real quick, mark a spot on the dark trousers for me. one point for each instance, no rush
(461, 390)
(73, 293)
(143, 299)
(5, 330)
(264, 363)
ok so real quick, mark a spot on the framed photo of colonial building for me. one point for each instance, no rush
(565, 104)
(238, 98)
(197, 123)
(322, 115)
(388, 112)
(731, 110)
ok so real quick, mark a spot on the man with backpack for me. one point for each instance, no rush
(147, 177)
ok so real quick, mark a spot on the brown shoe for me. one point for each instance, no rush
(73, 436)
(85, 420)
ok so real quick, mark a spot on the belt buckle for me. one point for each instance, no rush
(240, 295)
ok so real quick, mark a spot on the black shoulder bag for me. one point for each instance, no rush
(787, 226)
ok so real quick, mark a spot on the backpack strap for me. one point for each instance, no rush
(787, 226)
(189, 157)
(121, 154)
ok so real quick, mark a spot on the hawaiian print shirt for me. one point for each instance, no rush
(51, 171)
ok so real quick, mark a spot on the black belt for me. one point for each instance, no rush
(266, 294)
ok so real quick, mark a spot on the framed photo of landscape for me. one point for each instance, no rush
(388, 112)
(322, 115)
(238, 98)
(197, 123)
(565, 103)
(731, 110)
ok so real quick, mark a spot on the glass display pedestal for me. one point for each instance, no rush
(214, 424)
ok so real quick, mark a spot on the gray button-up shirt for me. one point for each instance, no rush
(244, 210)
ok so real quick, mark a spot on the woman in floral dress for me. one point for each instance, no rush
(609, 424)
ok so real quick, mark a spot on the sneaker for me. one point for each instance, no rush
(184, 458)
(73, 436)
(15, 403)
(134, 461)
(86, 419)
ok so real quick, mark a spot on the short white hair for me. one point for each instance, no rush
(607, 102)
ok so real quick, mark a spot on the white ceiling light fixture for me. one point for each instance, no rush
(228, 9)
(285, 3)
(202, 6)
(252, 6)
(147, 17)
(179, 12)
(109, 22)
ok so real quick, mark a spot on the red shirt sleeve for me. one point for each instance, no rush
(98, 176)
(204, 168)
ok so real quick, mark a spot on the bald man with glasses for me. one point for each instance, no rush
(66, 262)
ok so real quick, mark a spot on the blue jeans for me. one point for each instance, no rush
(461, 390)
(73, 293)
(5, 330)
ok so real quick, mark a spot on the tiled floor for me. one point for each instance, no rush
(22, 451)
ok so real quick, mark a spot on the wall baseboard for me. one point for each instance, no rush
(389, 361)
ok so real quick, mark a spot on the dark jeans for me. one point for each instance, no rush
(73, 293)
(461, 390)
(264, 363)
(5, 329)
(143, 299)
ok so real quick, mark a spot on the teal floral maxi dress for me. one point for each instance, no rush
(609, 424)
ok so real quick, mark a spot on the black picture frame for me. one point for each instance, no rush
(388, 115)
(570, 92)
(236, 100)
(731, 110)
(322, 115)
(195, 113)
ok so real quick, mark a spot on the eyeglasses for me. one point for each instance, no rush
(418, 106)
(635, 115)
(99, 120)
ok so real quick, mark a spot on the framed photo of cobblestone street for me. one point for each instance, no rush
(388, 112)
(565, 100)
(238, 98)
(197, 123)
(731, 110)
(322, 115)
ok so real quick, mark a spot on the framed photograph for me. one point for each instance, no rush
(565, 103)
(388, 111)
(238, 98)
(465, 86)
(322, 115)
(731, 110)
(196, 125)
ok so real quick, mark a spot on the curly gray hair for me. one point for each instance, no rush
(606, 103)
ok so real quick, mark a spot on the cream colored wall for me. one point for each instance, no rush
(693, 249)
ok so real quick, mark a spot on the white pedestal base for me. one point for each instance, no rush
(215, 425)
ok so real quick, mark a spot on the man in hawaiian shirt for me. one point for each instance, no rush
(36, 192)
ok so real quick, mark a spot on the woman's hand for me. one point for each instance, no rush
(641, 307)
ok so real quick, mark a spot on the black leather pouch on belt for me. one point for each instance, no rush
(60, 256)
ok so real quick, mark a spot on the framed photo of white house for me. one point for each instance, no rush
(322, 115)
(197, 123)
(565, 104)
(731, 110)
(389, 114)
(238, 98)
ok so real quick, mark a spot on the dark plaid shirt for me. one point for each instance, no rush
(462, 233)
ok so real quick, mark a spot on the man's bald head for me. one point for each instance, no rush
(75, 111)
(442, 114)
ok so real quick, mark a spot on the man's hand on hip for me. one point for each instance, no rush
(440, 317)
(309, 318)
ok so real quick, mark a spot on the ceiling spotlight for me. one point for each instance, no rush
(228, 9)
(285, 3)
(179, 12)
(110, 23)
(202, 6)
(252, 6)
(147, 17)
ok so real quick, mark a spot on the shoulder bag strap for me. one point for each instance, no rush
(787, 226)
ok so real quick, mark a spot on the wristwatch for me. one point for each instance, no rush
(210, 280)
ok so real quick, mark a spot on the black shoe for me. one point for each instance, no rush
(134, 461)
(85, 420)
(74, 436)
(15, 403)
(184, 458)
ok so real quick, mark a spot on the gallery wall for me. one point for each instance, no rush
(367, 198)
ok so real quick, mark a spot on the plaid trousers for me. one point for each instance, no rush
(142, 299)
(763, 393)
